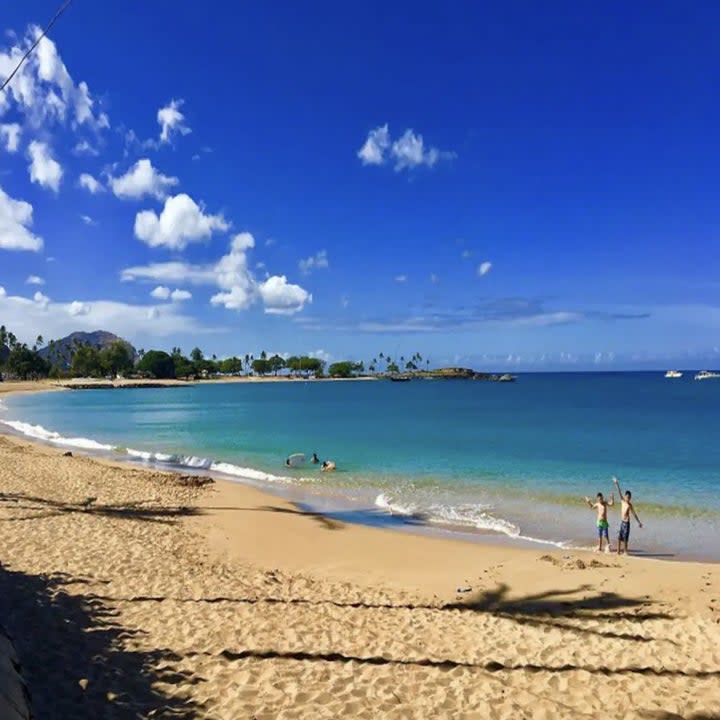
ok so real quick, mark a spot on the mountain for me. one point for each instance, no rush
(60, 352)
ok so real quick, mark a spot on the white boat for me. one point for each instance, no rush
(673, 374)
(707, 375)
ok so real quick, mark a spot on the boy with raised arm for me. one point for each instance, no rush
(627, 508)
(601, 505)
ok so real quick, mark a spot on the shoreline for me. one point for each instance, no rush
(133, 592)
(359, 511)
(13, 387)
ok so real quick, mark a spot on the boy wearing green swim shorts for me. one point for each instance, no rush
(600, 506)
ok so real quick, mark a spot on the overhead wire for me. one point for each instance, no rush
(62, 9)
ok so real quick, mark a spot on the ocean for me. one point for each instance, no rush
(505, 462)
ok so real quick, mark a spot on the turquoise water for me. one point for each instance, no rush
(464, 456)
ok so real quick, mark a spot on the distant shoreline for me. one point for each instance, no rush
(15, 387)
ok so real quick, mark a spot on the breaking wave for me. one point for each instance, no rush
(475, 516)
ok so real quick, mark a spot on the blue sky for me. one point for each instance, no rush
(522, 187)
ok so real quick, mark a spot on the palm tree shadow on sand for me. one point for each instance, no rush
(39, 508)
(63, 639)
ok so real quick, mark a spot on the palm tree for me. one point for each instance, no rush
(39, 341)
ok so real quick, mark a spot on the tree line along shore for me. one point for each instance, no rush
(103, 355)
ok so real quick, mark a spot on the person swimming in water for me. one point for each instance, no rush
(601, 505)
(327, 466)
(315, 459)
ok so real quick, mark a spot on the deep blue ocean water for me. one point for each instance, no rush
(465, 456)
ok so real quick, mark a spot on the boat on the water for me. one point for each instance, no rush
(507, 377)
(400, 378)
(673, 374)
(707, 375)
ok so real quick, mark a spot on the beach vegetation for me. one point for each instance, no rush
(158, 364)
(276, 364)
(116, 358)
(86, 362)
(24, 363)
(346, 369)
(261, 366)
(230, 366)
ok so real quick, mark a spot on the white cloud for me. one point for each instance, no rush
(465, 254)
(180, 295)
(171, 271)
(38, 315)
(409, 151)
(15, 221)
(181, 222)
(44, 169)
(484, 268)
(92, 185)
(239, 289)
(373, 151)
(401, 278)
(2, 291)
(87, 220)
(281, 297)
(10, 135)
(171, 121)
(78, 308)
(319, 261)
(140, 180)
(85, 148)
(41, 300)
(344, 301)
(434, 279)
(34, 280)
(321, 354)
(43, 90)
(160, 292)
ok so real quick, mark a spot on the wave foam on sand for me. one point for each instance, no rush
(469, 515)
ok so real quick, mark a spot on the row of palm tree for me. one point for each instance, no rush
(413, 364)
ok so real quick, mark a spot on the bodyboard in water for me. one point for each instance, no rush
(296, 459)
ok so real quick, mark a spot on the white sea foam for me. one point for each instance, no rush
(201, 463)
(474, 516)
(40, 433)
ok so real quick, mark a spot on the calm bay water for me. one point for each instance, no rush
(514, 459)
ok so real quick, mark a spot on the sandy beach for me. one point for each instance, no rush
(137, 593)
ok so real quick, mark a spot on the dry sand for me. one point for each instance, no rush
(130, 594)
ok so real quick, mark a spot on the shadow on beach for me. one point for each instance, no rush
(37, 508)
(64, 638)
(593, 613)
(336, 519)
